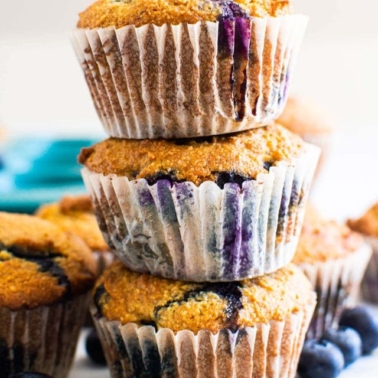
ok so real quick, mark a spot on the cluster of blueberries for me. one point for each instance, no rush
(356, 335)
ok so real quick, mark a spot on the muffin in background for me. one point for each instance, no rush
(176, 69)
(334, 259)
(222, 208)
(309, 120)
(367, 225)
(75, 214)
(253, 327)
(45, 280)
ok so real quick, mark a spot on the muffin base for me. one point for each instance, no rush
(369, 286)
(190, 80)
(42, 339)
(337, 285)
(266, 350)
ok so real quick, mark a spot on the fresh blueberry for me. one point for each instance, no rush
(30, 374)
(320, 359)
(365, 322)
(94, 348)
(348, 341)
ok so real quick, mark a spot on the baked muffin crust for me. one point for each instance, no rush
(40, 264)
(144, 299)
(367, 224)
(75, 215)
(231, 158)
(326, 240)
(105, 13)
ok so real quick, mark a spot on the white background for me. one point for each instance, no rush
(42, 89)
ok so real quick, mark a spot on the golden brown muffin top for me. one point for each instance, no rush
(326, 240)
(302, 116)
(75, 215)
(231, 158)
(368, 223)
(105, 13)
(144, 299)
(40, 264)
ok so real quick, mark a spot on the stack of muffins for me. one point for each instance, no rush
(206, 221)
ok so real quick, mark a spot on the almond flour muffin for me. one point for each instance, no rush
(187, 68)
(210, 209)
(76, 215)
(367, 225)
(257, 326)
(309, 120)
(45, 277)
(334, 258)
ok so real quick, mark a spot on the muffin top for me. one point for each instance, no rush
(75, 215)
(119, 13)
(368, 223)
(229, 158)
(144, 299)
(325, 240)
(302, 116)
(40, 264)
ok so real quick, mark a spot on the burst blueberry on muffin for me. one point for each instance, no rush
(76, 215)
(367, 225)
(309, 120)
(187, 68)
(334, 258)
(267, 318)
(211, 209)
(45, 277)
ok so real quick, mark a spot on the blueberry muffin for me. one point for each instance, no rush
(193, 68)
(223, 208)
(367, 225)
(334, 258)
(75, 214)
(45, 278)
(267, 318)
(314, 124)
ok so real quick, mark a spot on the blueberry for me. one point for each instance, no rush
(94, 348)
(320, 359)
(348, 341)
(30, 374)
(365, 322)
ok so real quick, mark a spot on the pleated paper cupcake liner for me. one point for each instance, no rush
(266, 350)
(103, 259)
(369, 286)
(188, 80)
(42, 339)
(205, 233)
(337, 284)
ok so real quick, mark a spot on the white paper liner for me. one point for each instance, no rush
(42, 339)
(103, 260)
(189, 80)
(337, 284)
(369, 286)
(266, 350)
(205, 233)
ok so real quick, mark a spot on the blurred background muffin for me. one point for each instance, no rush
(367, 225)
(313, 123)
(75, 214)
(45, 279)
(334, 258)
(202, 203)
(267, 316)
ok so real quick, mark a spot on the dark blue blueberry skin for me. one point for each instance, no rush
(320, 359)
(94, 348)
(365, 322)
(348, 341)
(30, 375)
